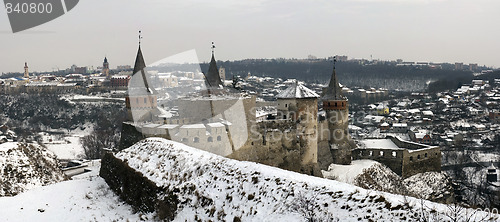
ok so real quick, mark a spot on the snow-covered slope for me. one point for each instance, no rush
(85, 198)
(210, 187)
(26, 166)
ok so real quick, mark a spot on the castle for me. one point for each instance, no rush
(223, 121)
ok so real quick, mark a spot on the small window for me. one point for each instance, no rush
(381, 153)
(219, 138)
(184, 140)
(371, 153)
(137, 100)
(286, 105)
(145, 100)
(418, 157)
(425, 155)
(394, 154)
(210, 139)
(284, 116)
(196, 140)
(411, 158)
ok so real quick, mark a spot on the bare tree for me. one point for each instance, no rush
(95, 143)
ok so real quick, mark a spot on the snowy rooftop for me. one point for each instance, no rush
(193, 126)
(297, 91)
(379, 144)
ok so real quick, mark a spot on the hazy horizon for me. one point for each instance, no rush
(412, 30)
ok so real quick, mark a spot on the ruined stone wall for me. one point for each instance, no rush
(410, 159)
(389, 157)
(136, 190)
(129, 136)
(407, 144)
(420, 161)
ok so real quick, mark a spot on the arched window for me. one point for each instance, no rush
(411, 158)
(286, 105)
(425, 155)
(381, 153)
(210, 139)
(145, 100)
(284, 116)
(418, 157)
(219, 138)
(196, 140)
(394, 154)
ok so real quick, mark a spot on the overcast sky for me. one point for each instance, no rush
(413, 30)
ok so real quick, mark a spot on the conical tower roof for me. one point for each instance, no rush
(297, 91)
(333, 91)
(212, 77)
(139, 84)
(139, 62)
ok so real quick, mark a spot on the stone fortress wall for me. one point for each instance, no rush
(407, 160)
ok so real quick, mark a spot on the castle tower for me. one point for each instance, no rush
(336, 108)
(141, 100)
(105, 68)
(26, 72)
(300, 105)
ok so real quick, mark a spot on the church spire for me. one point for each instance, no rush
(212, 77)
(140, 65)
(333, 91)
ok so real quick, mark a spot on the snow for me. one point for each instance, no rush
(26, 166)
(85, 199)
(7, 146)
(297, 91)
(379, 144)
(70, 148)
(256, 192)
(348, 173)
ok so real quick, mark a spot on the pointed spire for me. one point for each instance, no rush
(212, 76)
(139, 62)
(25, 64)
(105, 59)
(333, 91)
(140, 66)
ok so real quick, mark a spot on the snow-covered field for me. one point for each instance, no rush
(85, 198)
(68, 148)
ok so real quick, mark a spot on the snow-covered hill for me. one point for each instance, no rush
(26, 166)
(204, 186)
(373, 175)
